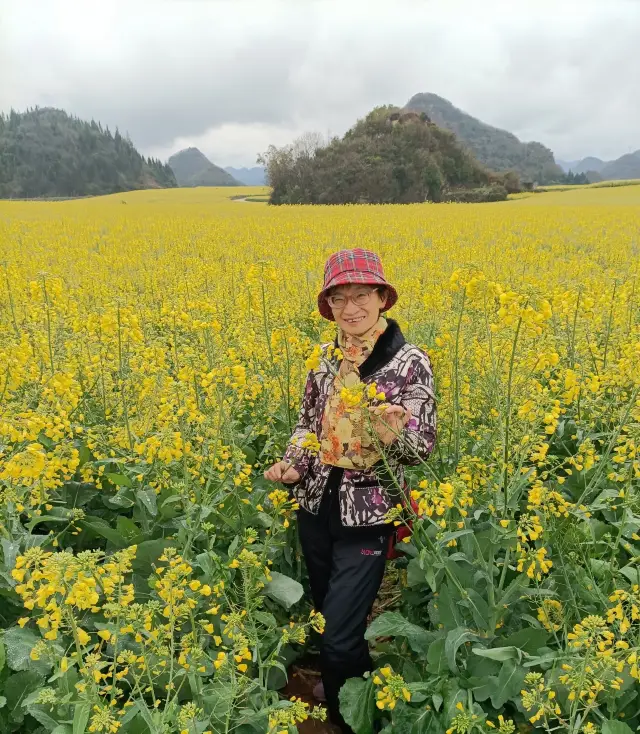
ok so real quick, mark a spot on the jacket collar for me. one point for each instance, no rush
(389, 343)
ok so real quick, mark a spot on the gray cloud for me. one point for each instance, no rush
(233, 75)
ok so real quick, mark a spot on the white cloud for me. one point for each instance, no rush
(231, 76)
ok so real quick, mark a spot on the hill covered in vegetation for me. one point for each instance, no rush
(193, 168)
(625, 167)
(388, 157)
(44, 152)
(497, 149)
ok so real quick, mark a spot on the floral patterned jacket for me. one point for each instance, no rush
(403, 373)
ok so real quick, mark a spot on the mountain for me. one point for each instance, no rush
(248, 176)
(497, 149)
(625, 167)
(567, 165)
(44, 152)
(193, 168)
(391, 156)
(588, 164)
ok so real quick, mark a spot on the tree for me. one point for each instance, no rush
(45, 152)
(386, 157)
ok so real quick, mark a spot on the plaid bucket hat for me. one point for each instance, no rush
(353, 266)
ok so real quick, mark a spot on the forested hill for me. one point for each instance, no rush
(388, 157)
(497, 149)
(45, 152)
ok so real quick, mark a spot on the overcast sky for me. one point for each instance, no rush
(233, 76)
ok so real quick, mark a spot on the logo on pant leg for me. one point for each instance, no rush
(369, 552)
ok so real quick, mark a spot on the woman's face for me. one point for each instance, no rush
(356, 308)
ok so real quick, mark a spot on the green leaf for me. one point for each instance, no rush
(16, 688)
(130, 532)
(448, 612)
(357, 704)
(393, 624)
(40, 713)
(482, 693)
(455, 639)
(632, 573)
(120, 480)
(46, 518)
(122, 499)
(436, 658)
(78, 494)
(147, 498)
(416, 576)
(510, 680)
(266, 619)
(478, 607)
(514, 589)
(217, 701)
(10, 551)
(101, 527)
(147, 554)
(62, 729)
(3, 702)
(616, 727)
(81, 718)
(277, 677)
(448, 537)
(527, 639)
(283, 589)
(19, 643)
(499, 653)
(3, 655)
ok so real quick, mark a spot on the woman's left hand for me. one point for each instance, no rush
(389, 422)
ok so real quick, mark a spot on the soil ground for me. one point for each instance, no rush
(303, 676)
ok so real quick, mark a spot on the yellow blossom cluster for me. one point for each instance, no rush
(390, 688)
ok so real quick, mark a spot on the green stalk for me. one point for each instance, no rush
(267, 334)
(507, 425)
(609, 322)
(456, 384)
(49, 338)
(11, 304)
(125, 409)
(573, 330)
(614, 437)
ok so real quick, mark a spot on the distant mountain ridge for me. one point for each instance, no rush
(625, 167)
(193, 168)
(47, 153)
(584, 166)
(497, 149)
(248, 176)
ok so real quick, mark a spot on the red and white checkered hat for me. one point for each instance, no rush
(353, 266)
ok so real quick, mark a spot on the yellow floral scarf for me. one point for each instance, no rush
(345, 438)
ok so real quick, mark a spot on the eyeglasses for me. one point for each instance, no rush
(361, 298)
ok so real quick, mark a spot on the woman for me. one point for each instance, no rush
(347, 488)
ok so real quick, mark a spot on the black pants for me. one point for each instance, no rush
(345, 566)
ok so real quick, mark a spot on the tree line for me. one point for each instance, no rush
(45, 152)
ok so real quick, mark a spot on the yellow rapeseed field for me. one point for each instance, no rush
(152, 358)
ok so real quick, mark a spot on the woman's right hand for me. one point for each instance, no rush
(282, 472)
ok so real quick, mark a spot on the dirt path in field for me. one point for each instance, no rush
(302, 679)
